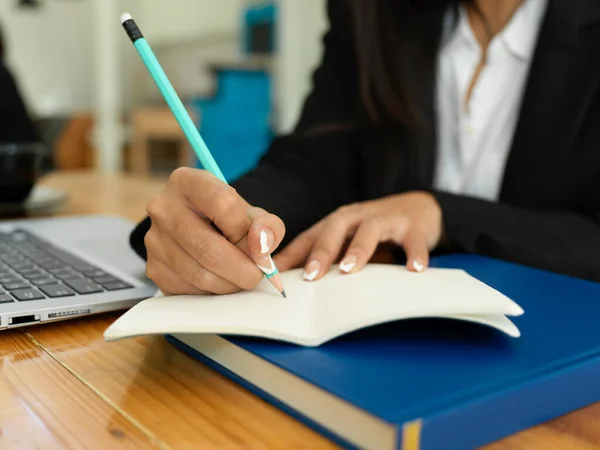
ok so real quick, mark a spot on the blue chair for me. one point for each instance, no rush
(235, 123)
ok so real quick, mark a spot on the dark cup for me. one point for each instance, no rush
(21, 165)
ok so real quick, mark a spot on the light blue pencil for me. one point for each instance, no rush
(185, 121)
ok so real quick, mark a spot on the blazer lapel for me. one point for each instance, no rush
(563, 77)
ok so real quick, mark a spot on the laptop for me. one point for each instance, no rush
(62, 268)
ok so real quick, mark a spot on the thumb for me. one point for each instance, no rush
(265, 234)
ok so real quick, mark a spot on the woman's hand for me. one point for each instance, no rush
(205, 238)
(412, 221)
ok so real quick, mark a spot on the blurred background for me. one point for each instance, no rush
(242, 67)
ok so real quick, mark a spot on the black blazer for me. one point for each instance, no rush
(548, 213)
(15, 123)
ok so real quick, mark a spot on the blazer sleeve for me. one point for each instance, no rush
(565, 242)
(311, 171)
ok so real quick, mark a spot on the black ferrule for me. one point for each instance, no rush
(132, 30)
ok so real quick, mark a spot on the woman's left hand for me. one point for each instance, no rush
(412, 220)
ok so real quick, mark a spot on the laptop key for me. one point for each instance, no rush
(16, 285)
(82, 266)
(44, 281)
(31, 269)
(69, 276)
(33, 252)
(94, 273)
(84, 286)
(51, 265)
(34, 275)
(40, 259)
(25, 265)
(10, 253)
(9, 257)
(57, 290)
(5, 298)
(105, 279)
(60, 270)
(9, 279)
(116, 286)
(24, 295)
(13, 264)
(30, 272)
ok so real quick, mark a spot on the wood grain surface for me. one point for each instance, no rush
(43, 405)
(172, 398)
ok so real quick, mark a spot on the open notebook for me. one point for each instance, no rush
(317, 312)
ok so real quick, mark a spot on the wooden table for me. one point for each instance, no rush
(62, 386)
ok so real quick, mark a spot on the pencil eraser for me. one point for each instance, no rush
(125, 17)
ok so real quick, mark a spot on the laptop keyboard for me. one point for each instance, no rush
(34, 269)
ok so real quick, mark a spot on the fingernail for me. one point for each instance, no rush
(266, 265)
(312, 270)
(348, 263)
(418, 265)
(266, 241)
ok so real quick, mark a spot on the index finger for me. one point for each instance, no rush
(217, 201)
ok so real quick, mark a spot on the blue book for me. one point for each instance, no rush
(432, 383)
(427, 383)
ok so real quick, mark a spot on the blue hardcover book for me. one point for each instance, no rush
(432, 383)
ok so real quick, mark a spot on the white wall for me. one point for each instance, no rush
(52, 49)
(301, 28)
(180, 20)
(54, 53)
(49, 52)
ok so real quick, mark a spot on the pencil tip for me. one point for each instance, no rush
(283, 293)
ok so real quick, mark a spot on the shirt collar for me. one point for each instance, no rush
(520, 34)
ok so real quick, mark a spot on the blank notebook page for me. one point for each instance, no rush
(245, 312)
(336, 303)
(379, 292)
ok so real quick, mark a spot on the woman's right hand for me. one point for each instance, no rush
(205, 238)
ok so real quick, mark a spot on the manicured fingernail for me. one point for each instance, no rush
(266, 265)
(418, 265)
(312, 270)
(348, 263)
(266, 241)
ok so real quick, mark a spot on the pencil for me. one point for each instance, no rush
(185, 121)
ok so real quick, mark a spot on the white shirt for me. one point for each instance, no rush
(474, 141)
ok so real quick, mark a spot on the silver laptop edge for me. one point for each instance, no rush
(102, 241)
